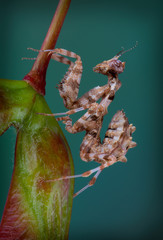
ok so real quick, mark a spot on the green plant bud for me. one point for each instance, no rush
(35, 209)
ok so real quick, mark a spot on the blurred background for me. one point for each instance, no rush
(126, 201)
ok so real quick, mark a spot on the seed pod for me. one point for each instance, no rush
(35, 209)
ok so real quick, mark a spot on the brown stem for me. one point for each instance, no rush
(36, 77)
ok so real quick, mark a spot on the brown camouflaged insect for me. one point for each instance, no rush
(118, 137)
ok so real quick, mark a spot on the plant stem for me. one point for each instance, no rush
(36, 77)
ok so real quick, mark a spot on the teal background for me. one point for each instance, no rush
(126, 201)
